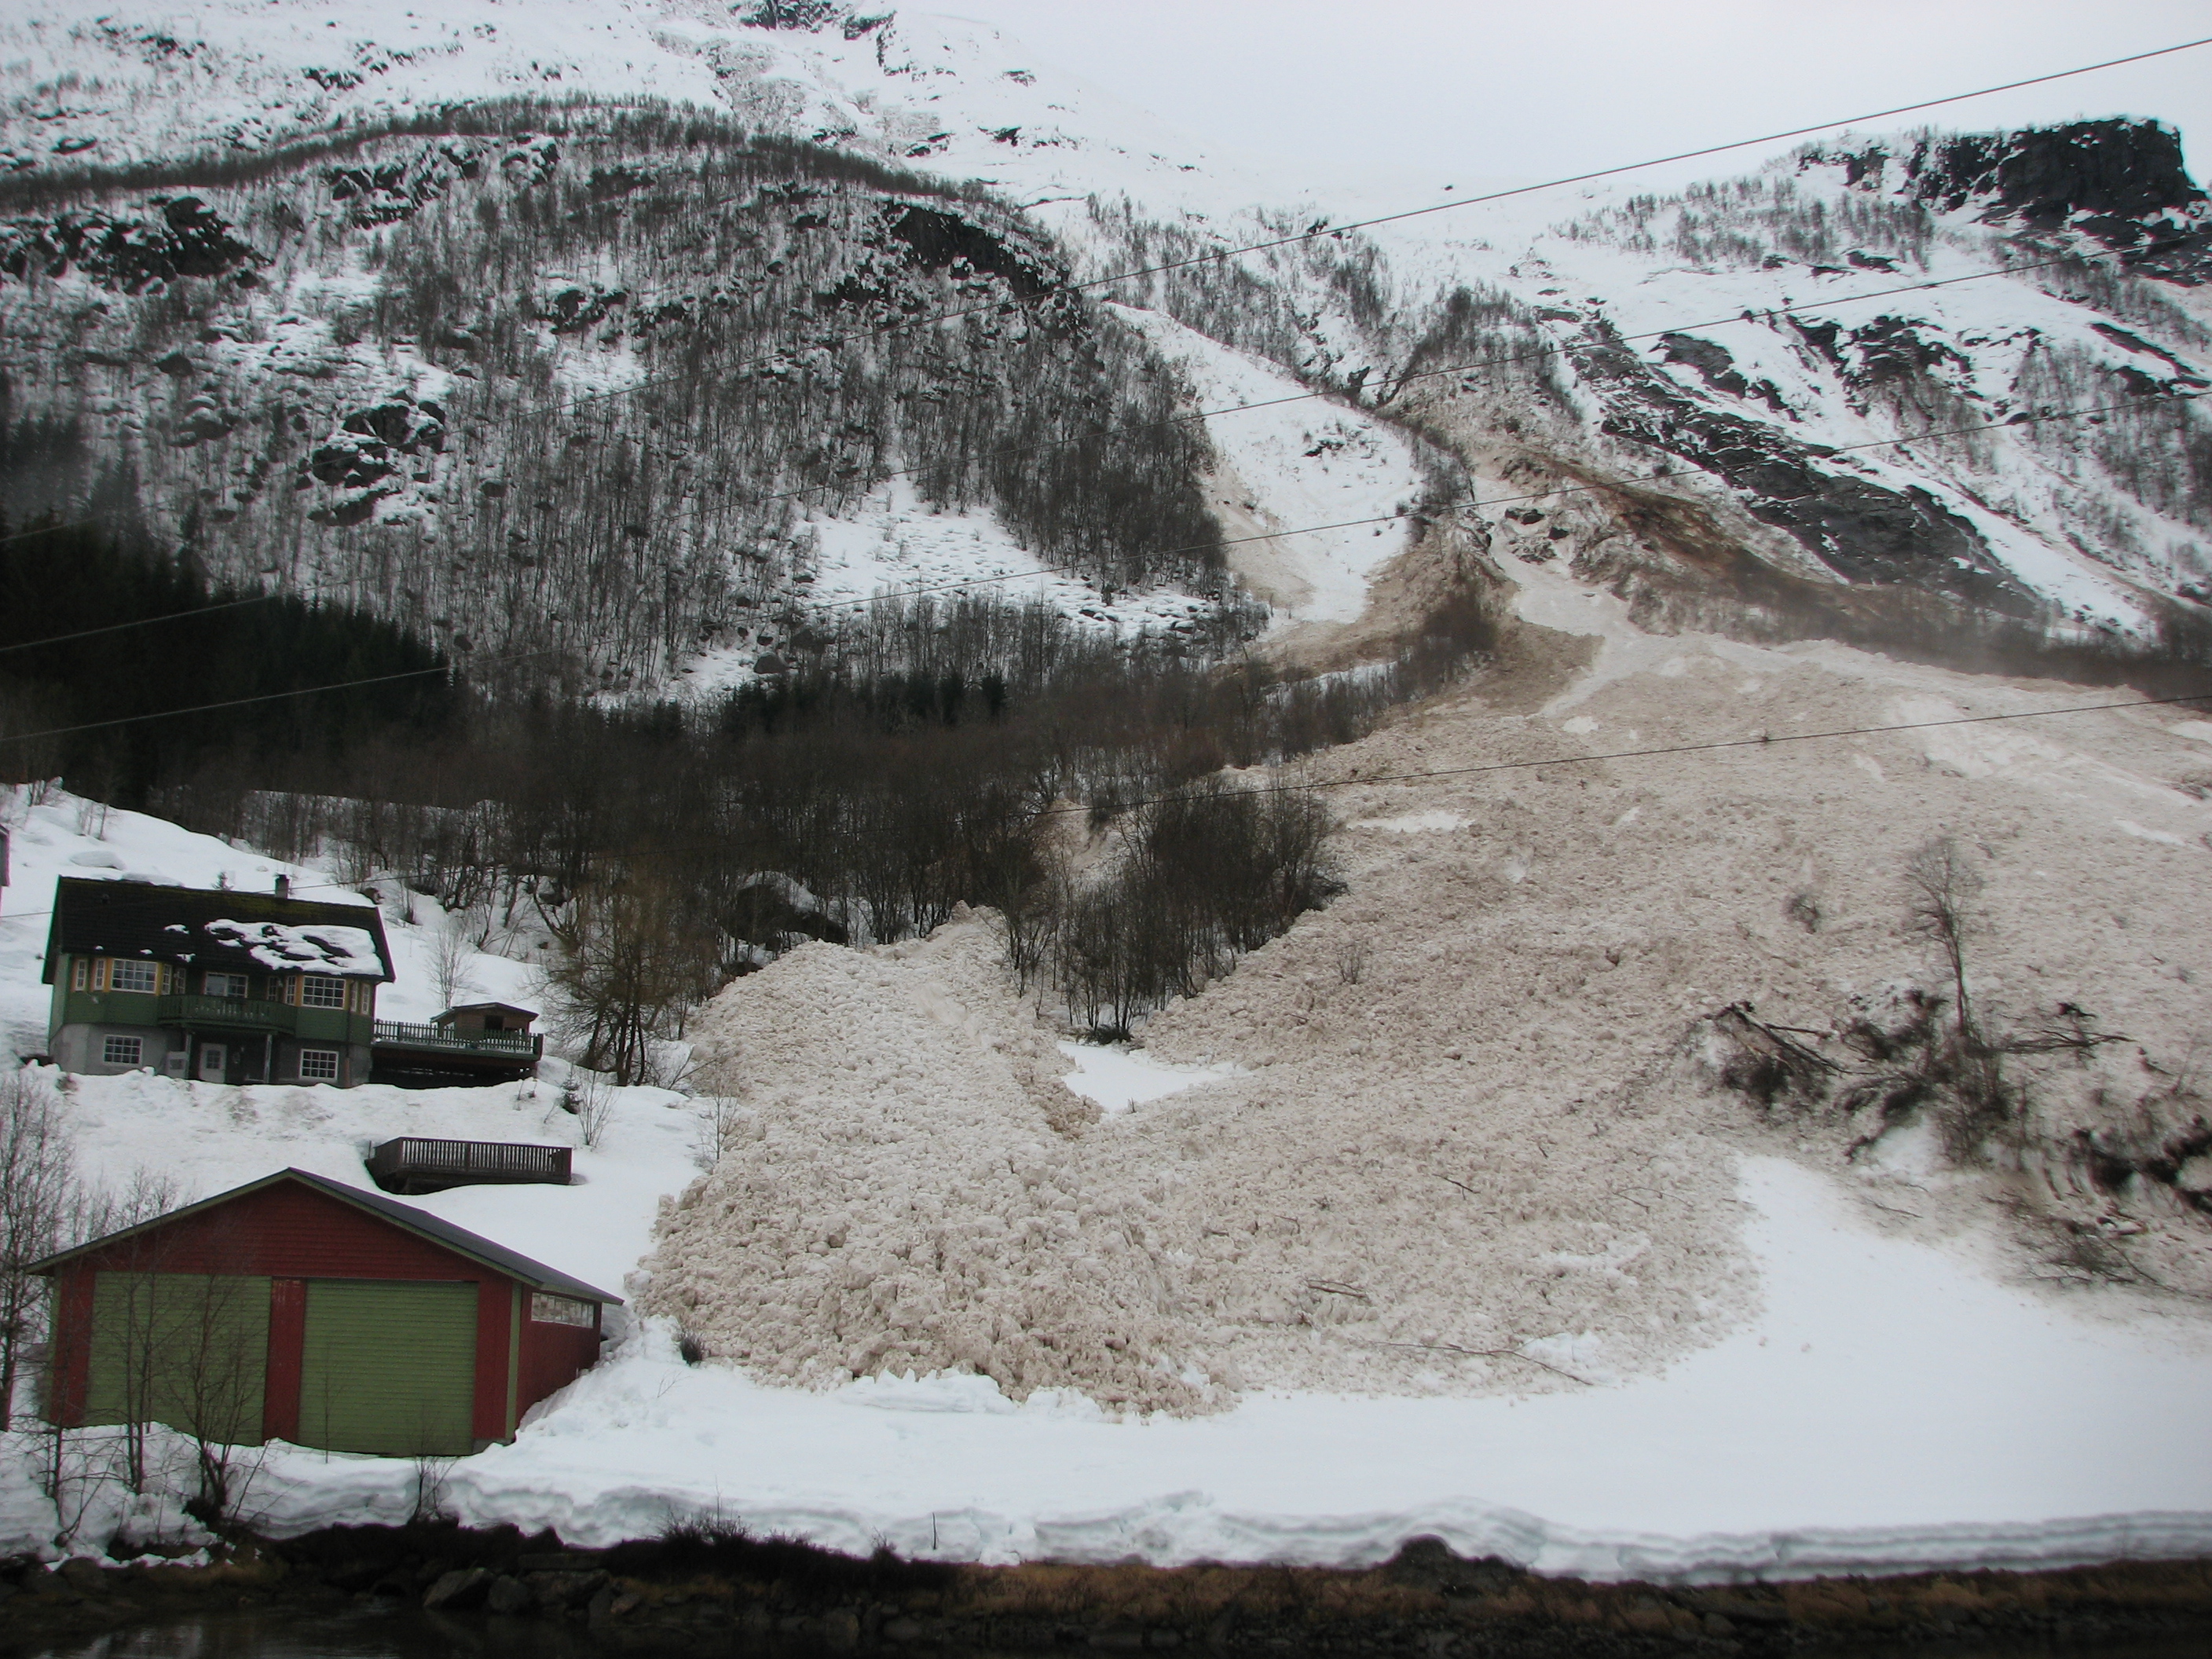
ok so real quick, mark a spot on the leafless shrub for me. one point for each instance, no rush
(590, 1097)
(429, 1507)
(1204, 875)
(451, 955)
(1768, 1063)
(722, 1124)
(1908, 1051)
(639, 956)
(1351, 960)
(1803, 907)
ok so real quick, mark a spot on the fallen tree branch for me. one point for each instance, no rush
(1334, 1289)
(1490, 1353)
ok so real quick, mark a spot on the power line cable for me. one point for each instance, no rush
(1548, 348)
(142, 622)
(1763, 740)
(268, 696)
(981, 581)
(1817, 453)
(1338, 230)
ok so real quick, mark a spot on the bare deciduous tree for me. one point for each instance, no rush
(1941, 888)
(640, 958)
(39, 1196)
(453, 953)
(722, 1124)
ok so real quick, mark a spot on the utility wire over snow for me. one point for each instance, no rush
(1319, 231)
(1549, 349)
(984, 581)
(1388, 518)
(1763, 740)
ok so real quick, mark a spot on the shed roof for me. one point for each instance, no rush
(483, 1008)
(215, 928)
(421, 1222)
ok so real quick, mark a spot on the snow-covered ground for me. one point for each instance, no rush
(1893, 1406)
(941, 94)
(1892, 1393)
(1291, 463)
(1115, 1077)
(897, 546)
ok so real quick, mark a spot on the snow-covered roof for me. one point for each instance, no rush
(323, 948)
(222, 929)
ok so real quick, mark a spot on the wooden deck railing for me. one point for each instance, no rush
(445, 1040)
(412, 1164)
(235, 1013)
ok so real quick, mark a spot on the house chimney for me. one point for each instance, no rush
(283, 887)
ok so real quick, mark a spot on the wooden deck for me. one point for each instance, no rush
(414, 1165)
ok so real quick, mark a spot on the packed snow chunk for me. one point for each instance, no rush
(2141, 832)
(909, 1192)
(905, 1199)
(28, 1521)
(278, 945)
(1414, 823)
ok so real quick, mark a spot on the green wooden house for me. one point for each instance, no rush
(223, 986)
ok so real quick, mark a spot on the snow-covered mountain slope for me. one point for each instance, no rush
(1325, 473)
(1753, 349)
(1771, 333)
(107, 84)
(1760, 344)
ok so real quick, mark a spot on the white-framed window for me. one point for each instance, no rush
(548, 1309)
(318, 1065)
(132, 977)
(225, 985)
(321, 990)
(122, 1051)
(80, 974)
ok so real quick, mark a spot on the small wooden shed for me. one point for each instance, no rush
(486, 1017)
(295, 1308)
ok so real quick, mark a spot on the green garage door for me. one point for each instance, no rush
(389, 1368)
(190, 1350)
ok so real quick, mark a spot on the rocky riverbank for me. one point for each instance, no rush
(709, 1590)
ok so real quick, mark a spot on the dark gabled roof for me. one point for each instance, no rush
(421, 1222)
(156, 923)
(483, 1008)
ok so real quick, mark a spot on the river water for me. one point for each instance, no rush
(409, 1634)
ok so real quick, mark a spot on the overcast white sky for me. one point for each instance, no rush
(1538, 88)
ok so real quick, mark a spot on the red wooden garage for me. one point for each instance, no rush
(299, 1309)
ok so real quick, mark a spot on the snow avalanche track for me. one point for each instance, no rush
(1460, 1121)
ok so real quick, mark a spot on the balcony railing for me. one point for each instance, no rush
(445, 1040)
(233, 1013)
(409, 1165)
